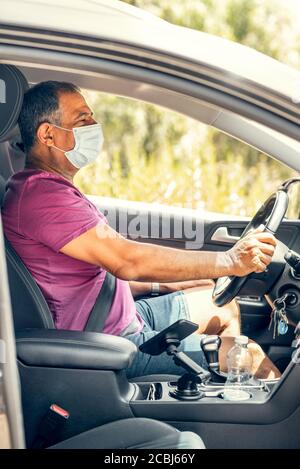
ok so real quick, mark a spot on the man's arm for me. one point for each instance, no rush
(145, 288)
(130, 260)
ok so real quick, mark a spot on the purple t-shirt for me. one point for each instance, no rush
(43, 212)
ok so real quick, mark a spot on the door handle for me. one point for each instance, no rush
(221, 235)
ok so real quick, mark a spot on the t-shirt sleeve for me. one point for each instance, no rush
(54, 213)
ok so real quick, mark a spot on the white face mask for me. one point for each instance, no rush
(88, 144)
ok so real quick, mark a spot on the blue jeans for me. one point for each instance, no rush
(157, 314)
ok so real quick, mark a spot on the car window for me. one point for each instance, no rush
(156, 155)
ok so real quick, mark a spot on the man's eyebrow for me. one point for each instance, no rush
(83, 114)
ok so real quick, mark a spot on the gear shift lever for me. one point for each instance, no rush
(210, 346)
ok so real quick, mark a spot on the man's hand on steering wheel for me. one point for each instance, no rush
(252, 253)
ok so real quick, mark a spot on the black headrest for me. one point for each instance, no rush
(13, 85)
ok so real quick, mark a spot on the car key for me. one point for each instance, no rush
(273, 321)
(278, 317)
(282, 326)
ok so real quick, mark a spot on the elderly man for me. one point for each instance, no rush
(68, 247)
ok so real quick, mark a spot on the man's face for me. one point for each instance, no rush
(74, 112)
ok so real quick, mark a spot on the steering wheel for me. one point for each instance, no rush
(270, 215)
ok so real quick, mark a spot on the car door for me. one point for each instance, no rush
(11, 420)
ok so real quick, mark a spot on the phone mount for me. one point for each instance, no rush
(188, 384)
(168, 340)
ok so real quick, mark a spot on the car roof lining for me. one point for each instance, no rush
(134, 89)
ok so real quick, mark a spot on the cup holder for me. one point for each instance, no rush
(236, 395)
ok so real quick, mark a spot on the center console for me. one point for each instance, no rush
(85, 373)
(198, 394)
(196, 383)
(166, 392)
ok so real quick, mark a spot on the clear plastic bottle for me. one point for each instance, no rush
(239, 361)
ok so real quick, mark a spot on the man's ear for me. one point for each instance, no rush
(45, 134)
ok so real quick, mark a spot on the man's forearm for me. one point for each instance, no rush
(147, 262)
(145, 288)
(140, 288)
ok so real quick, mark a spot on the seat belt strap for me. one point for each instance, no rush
(102, 306)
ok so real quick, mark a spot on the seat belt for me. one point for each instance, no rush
(101, 308)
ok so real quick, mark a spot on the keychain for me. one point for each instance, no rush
(279, 317)
(282, 327)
